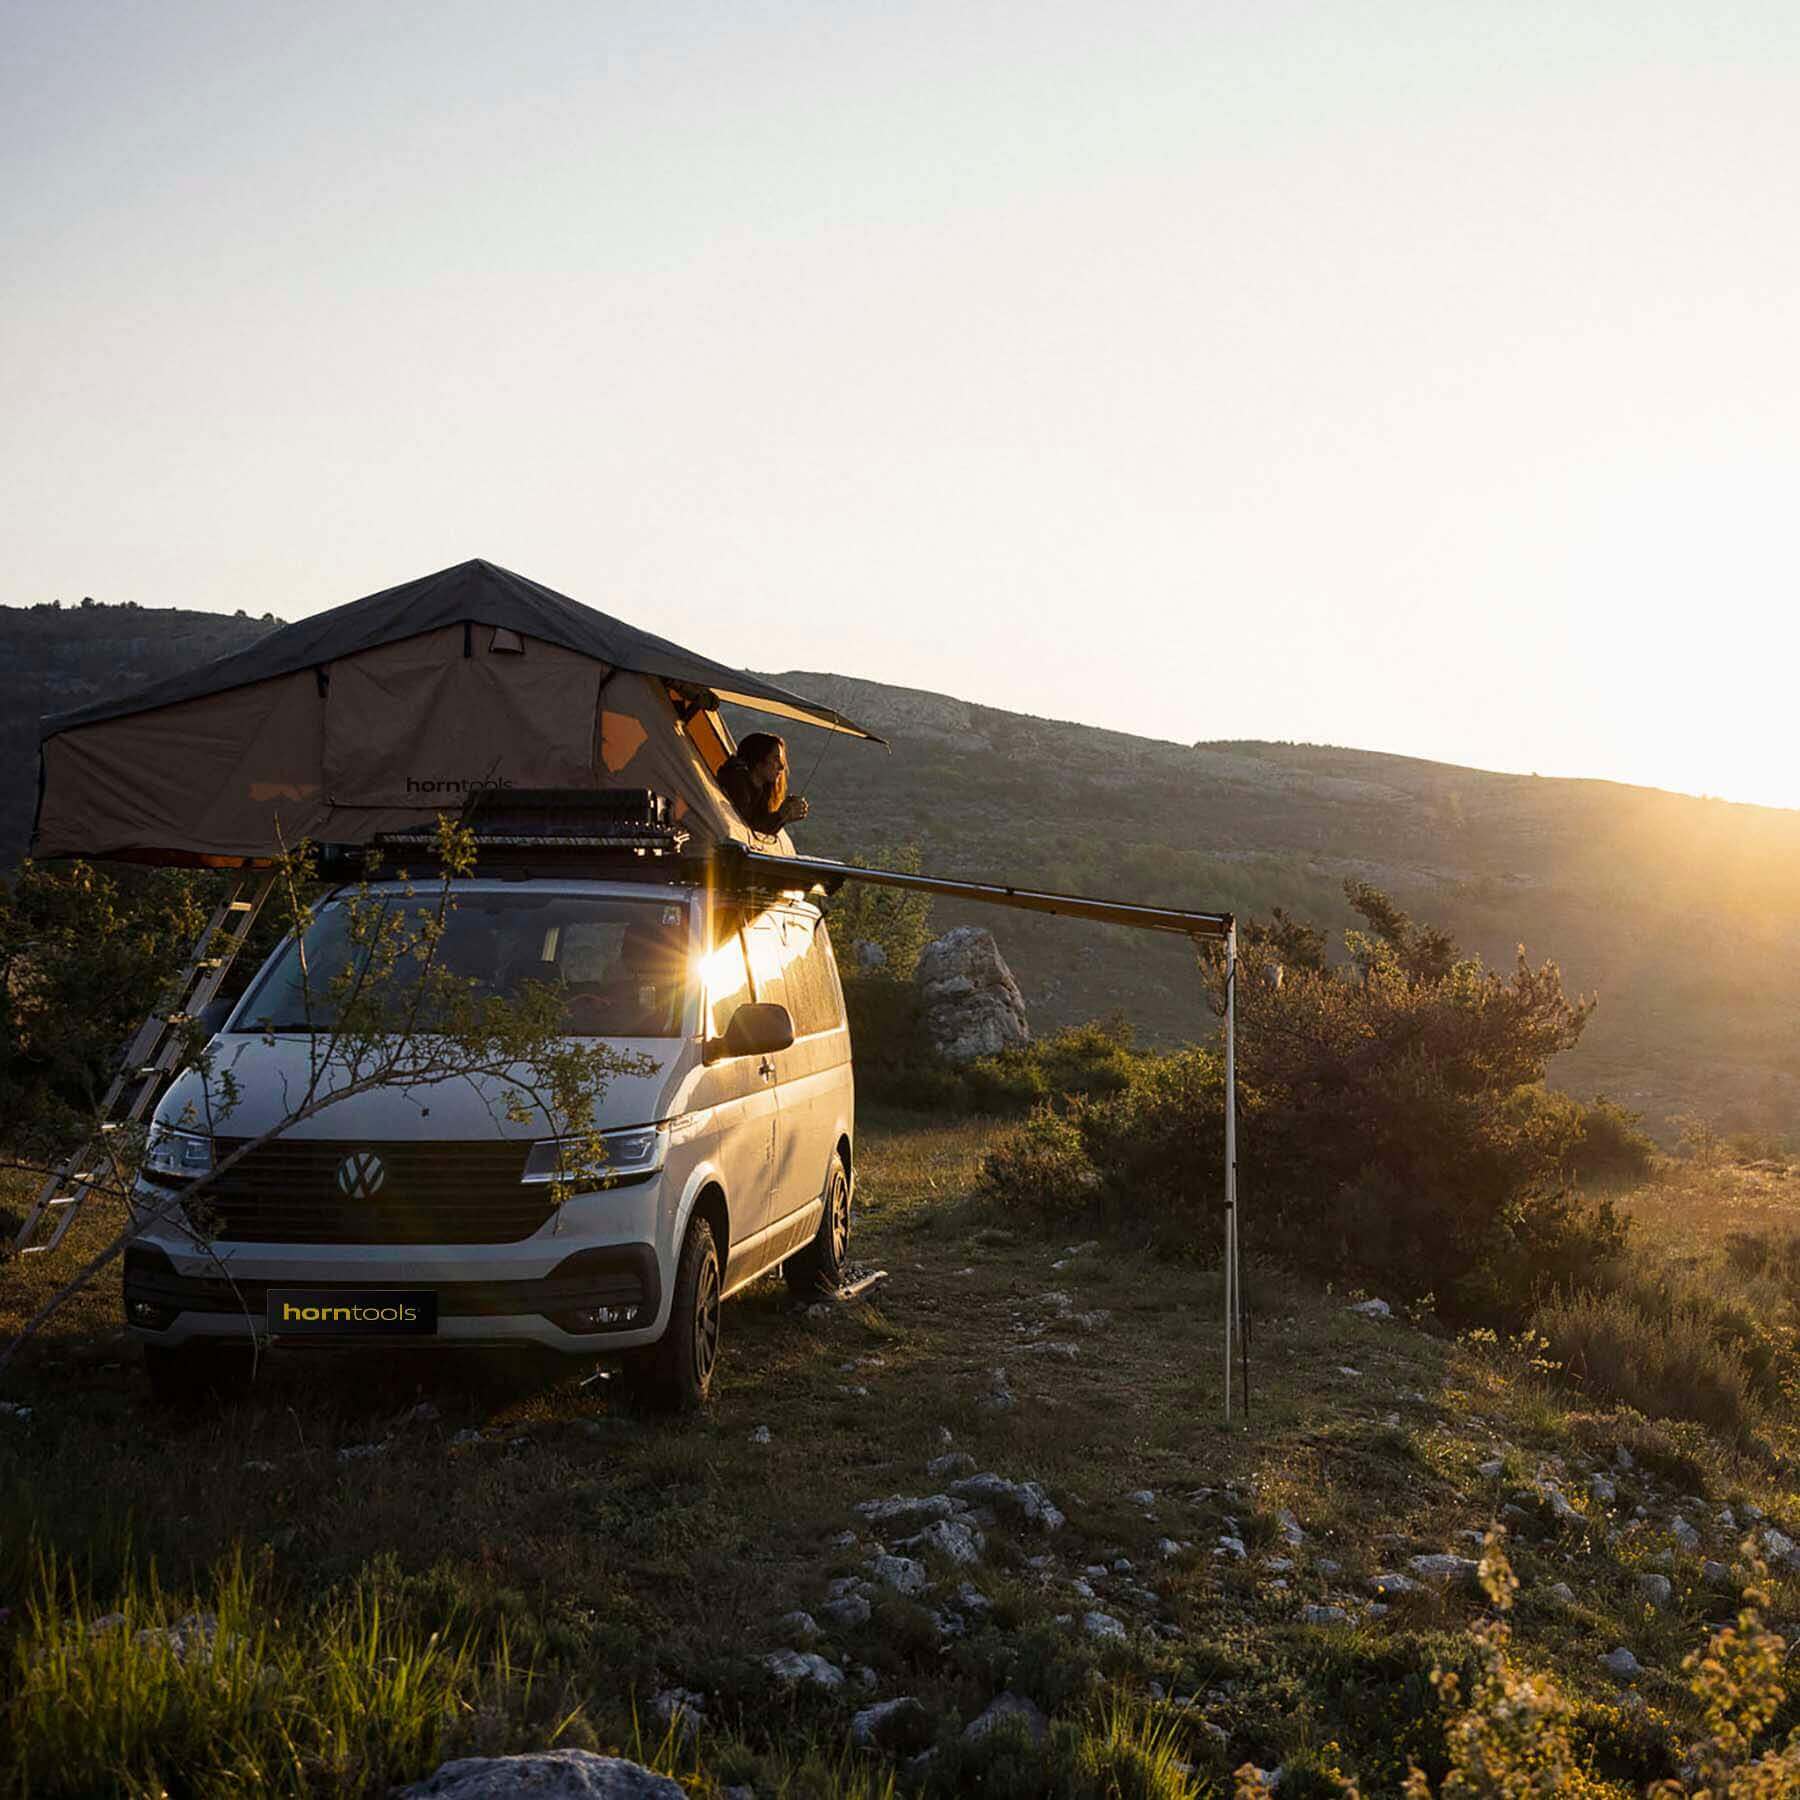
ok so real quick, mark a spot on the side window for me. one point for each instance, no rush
(727, 983)
(767, 956)
(828, 975)
(812, 992)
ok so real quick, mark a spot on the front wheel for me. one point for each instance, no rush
(819, 1268)
(675, 1374)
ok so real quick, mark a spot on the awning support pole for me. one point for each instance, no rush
(1233, 1279)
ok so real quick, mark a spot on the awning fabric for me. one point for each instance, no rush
(376, 715)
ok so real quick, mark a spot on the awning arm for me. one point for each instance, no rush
(819, 871)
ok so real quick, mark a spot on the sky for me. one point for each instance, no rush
(1416, 377)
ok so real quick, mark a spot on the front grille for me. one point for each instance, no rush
(287, 1192)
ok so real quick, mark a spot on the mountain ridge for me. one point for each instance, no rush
(1679, 910)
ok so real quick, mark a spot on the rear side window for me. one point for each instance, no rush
(813, 994)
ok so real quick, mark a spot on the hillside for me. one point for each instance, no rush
(1683, 914)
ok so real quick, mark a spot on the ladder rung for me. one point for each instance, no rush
(240, 905)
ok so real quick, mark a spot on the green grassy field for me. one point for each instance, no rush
(411, 1557)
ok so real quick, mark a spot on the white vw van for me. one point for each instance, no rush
(425, 1216)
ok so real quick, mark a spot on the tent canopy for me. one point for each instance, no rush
(380, 713)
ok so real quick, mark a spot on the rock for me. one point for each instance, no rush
(422, 1414)
(1063, 1352)
(1621, 1664)
(1123, 1565)
(999, 1397)
(1290, 1528)
(1097, 1320)
(845, 1540)
(1279, 1565)
(1776, 1544)
(192, 1638)
(869, 955)
(11, 1409)
(1232, 1547)
(901, 1573)
(1349, 1373)
(951, 1464)
(1622, 1459)
(256, 1466)
(1104, 1627)
(899, 1510)
(1024, 1498)
(680, 1709)
(1686, 1536)
(1167, 1549)
(1323, 1615)
(1561, 1593)
(1371, 1309)
(972, 1600)
(971, 1004)
(1081, 1589)
(1602, 1489)
(847, 1605)
(1141, 1497)
(898, 1725)
(468, 1435)
(1557, 1503)
(761, 1435)
(1387, 1586)
(1326, 1567)
(544, 1775)
(1655, 1590)
(799, 1625)
(1751, 1511)
(356, 1452)
(1445, 1570)
(954, 1538)
(1716, 1576)
(1003, 1709)
(796, 1668)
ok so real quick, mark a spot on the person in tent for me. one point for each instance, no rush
(755, 780)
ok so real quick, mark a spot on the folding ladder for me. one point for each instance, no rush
(153, 1053)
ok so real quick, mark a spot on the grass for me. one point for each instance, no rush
(543, 1583)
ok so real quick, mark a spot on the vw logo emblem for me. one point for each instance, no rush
(361, 1174)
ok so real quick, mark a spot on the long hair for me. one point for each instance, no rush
(753, 749)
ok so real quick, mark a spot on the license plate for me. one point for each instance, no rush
(365, 1312)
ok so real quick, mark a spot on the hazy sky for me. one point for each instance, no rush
(1424, 376)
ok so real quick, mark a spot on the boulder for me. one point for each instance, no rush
(795, 1668)
(900, 1725)
(1024, 1498)
(1001, 1711)
(1445, 1570)
(971, 1004)
(544, 1775)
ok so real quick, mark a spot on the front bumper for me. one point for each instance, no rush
(163, 1306)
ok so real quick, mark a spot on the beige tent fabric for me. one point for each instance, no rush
(420, 724)
(374, 742)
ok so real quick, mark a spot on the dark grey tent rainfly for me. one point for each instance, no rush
(376, 716)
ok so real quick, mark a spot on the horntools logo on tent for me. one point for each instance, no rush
(361, 1174)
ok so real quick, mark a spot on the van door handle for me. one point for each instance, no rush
(766, 1069)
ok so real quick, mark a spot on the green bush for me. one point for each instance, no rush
(1664, 1360)
(1394, 1128)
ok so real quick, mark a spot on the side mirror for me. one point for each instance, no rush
(755, 1030)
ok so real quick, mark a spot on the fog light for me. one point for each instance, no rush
(149, 1315)
(597, 1318)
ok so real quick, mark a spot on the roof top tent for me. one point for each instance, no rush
(381, 713)
(365, 722)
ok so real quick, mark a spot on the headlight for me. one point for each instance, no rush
(626, 1153)
(178, 1155)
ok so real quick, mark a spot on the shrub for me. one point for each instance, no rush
(1667, 1362)
(1394, 1125)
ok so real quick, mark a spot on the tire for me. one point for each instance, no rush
(819, 1268)
(194, 1375)
(675, 1374)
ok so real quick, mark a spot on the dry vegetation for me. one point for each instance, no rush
(524, 1561)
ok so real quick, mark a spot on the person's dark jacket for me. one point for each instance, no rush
(750, 797)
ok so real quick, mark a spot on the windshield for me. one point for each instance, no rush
(620, 965)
